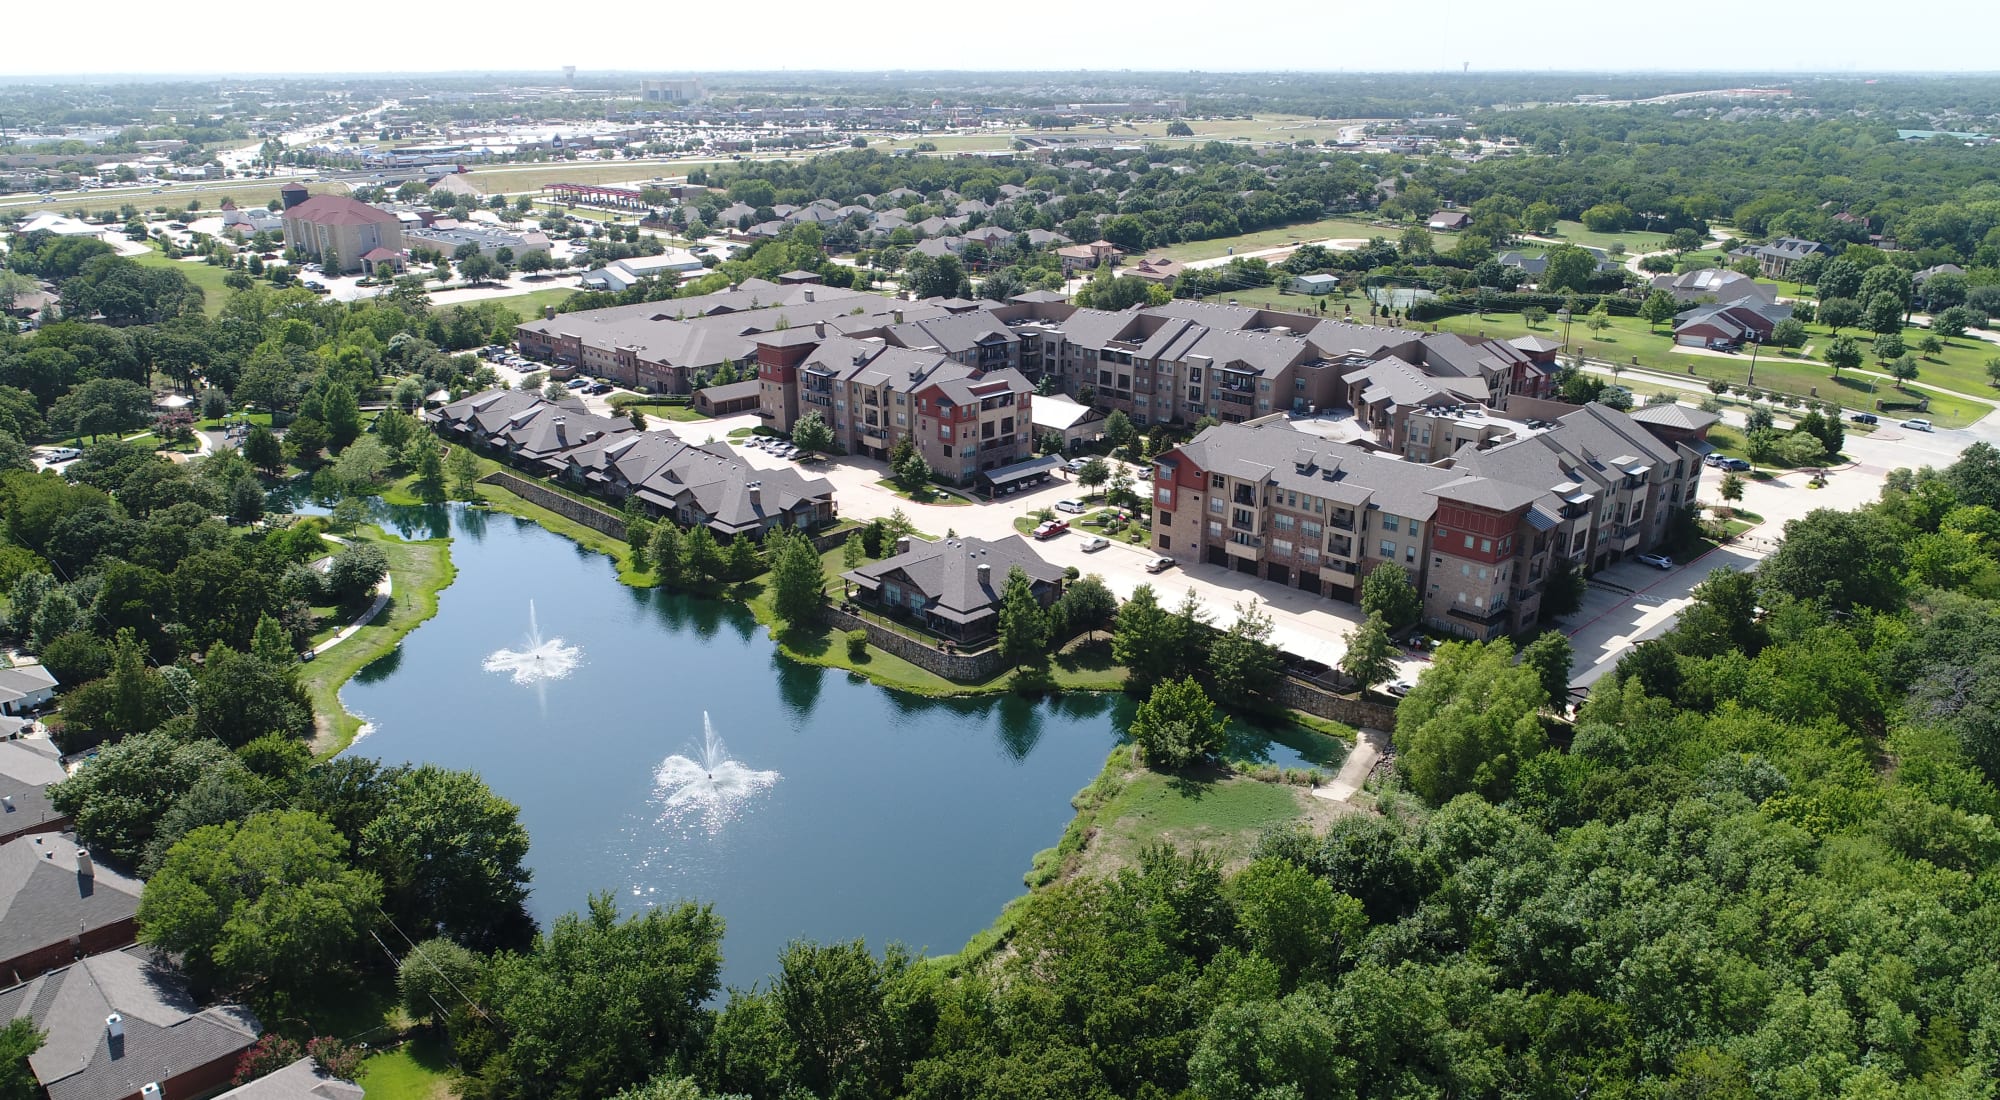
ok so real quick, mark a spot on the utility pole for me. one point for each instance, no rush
(1753, 365)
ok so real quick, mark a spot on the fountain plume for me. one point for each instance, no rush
(706, 783)
(538, 660)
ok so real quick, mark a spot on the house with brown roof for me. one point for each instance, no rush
(953, 586)
(347, 228)
(122, 1026)
(1087, 257)
(1449, 219)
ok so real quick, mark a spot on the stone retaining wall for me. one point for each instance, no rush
(964, 667)
(1322, 703)
(597, 519)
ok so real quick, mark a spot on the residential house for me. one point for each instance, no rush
(302, 1080)
(1157, 269)
(708, 485)
(1775, 260)
(954, 586)
(121, 1026)
(57, 905)
(525, 428)
(29, 766)
(25, 687)
(1729, 325)
(1087, 257)
(1449, 220)
(1711, 284)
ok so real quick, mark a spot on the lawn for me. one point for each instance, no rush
(1220, 812)
(682, 413)
(1634, 240)
(417, 1070)
(1286, 235)
(1290, 301)
(206, 276)
(928, 494)
(418, 571)
(529, 306)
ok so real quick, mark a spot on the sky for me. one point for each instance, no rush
(1316, 35)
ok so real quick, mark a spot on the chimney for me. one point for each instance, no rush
(7, 802)
(903, 545)
(985, 575)
(809, 295)
(84, 867)
(114, 1027)
(896, 315)
(756, 491)
(548, 313)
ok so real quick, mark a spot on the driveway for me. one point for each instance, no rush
(1629, 603)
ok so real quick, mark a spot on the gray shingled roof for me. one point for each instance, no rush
(165, 1032)
(1671, 414)
(302, 1080)
(45, 898)
(947, 573)
(1305, 463)
(27, 768)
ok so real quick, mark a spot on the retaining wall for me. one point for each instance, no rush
(1322, 703)
(963, 667)
(597, 519)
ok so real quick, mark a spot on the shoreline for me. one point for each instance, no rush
(427, 569)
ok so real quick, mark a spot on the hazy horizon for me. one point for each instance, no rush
(1289, 36)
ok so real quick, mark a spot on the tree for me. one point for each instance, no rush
(262, 450)
(1370, 657)
(1684, 240)
(1842, 354)
(1095, 472)
(304, 440)
(355, 571)
(1930, 346)
(1599, 318)
(463, 468)
(342, 415)
(1952, 323)
(1569, 268)
(1295, 919)
(19, 1040)
(118, 801)
(1888, 346)
(1839, 313)
(1731, 489)
(239, 698)
(98, 406)
(1470, 722)
(1843, 560)
(1789, 333)
(1550, 655)
(535, 261)
(1085, 605)
(1242, 662)
(1177, 725)
(1387, 591)
(1024, 624)
(448, 853)
(1147, 638)
(811, 434)
(598, 1003)
(913, 474)
(798, 582)
(1658, 308)
(1903, 368)
(268, 906)
(1884, 314)
(430, 485)
(1179, 128)
(436, 977)
(1800, 449)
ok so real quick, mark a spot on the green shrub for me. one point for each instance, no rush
(857, 645)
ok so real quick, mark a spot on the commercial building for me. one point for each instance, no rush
(337, 227)
(1481, 532)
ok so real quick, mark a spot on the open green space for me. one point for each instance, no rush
(206, 276)
(418, 571)
(417, 1070)
(682, 413)
(1215, 810)
(528, 306)
(1635, 241)
(1283, 235)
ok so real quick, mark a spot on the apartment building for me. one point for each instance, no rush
(964, 420)
(1481, 532)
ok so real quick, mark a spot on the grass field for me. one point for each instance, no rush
(528, 305)
(205, 276)
(418, 571)
(246, 192)
(417, 1070)
(1224, 814)
(1635, 241)
(1282, 236)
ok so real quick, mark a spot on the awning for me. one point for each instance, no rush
(1044, 465)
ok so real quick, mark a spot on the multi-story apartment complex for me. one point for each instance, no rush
(964, 420)
(1480, 532)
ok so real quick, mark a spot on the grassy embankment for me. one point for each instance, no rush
(418, 571)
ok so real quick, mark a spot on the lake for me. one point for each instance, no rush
(841, 811)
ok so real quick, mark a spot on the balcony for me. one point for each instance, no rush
(1478, 615)
(1340, 548)
(1341, 524)
(1244, 546)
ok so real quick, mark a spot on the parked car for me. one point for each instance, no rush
(1657, 561)
(1095, 543)
(1866, 418)
(1160, 564)
(1399, 689)
(1145, 473)
(1073, 507)
(63, 454)
(576, 383)
(1737, 464)
(1917, 425)
(1075, 465)
(599, 388)
(1051, 528)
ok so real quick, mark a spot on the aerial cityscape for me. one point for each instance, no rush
(584, 583)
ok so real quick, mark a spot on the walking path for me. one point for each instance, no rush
(1369, 745)
(382, 593)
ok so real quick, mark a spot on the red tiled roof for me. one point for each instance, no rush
(293, 186)
(340, 210)
(375, 254)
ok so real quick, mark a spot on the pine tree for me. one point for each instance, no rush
(1024, 623)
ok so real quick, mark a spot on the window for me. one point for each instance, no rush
(1216, 505)
(1217, 481)
(1484, 573)
(947, 450)
(1281, 546)
(1166, 519)
(1166, 543)
(1486, 546)
(1391, 522)
(1283, 522)
(1214, 529)
(1310, 555)
(1311, 530)
(1468, 542)
(1464, 570)
(1388, 549)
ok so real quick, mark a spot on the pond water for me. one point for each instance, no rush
(1398, 297)
(661, 748)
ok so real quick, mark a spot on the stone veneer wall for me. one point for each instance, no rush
(1322, 703)
(963, 667)
(597, 519)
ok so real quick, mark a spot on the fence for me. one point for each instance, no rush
(597, 519)
(972, 668)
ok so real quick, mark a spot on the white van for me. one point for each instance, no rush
(1074, 507)
(1917, 425)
